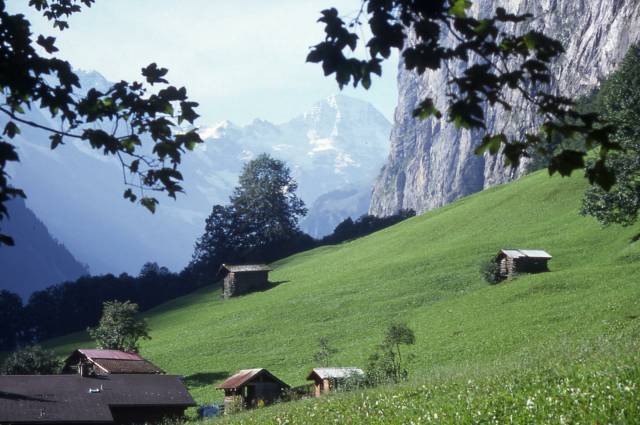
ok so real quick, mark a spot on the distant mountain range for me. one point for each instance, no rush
(338, 146)
(37, 260)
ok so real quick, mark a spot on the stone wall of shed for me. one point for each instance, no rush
(243, 283)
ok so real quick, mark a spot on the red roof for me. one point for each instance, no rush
(109, 354)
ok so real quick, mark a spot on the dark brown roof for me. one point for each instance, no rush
(247, 375)
(111, 361)
(127, 366)
(72, 398)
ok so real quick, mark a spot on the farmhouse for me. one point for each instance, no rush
(326, 379)
(245, 278)
(109, 399)
(512, 261)
(251, 387)
(104, 362)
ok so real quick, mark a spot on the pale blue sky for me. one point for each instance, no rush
(241, 60)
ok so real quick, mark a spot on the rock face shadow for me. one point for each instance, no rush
(202, 379)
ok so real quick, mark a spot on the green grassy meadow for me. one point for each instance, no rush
(482, 351)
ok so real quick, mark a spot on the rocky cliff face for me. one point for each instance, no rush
(431, 163)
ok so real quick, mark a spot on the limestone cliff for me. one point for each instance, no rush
(431, 163)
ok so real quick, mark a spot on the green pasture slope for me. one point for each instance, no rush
(526, 350)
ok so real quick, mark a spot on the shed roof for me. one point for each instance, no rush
(528, 253)
(68, 399)
(127, 366)
(246, 268)
(245, 376)
(334, 372)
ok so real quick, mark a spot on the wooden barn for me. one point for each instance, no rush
(108, 399)
(326, 379)
(243, 279)
(513, 261)
(89, 362)
(252, 387)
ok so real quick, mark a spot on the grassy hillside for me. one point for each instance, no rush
(425, 271)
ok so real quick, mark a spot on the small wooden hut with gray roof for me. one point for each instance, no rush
(513, 261)
(326, 379)
(244, 278)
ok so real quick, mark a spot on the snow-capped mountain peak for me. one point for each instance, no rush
(339, 143)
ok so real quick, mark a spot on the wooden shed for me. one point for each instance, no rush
(89, 362)
(326, 379)
(244, 278)
(252, 387)
(513, 261)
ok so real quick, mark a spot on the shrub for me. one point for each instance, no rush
(490, 272)
(235, 406)
(387, 365)
(33, 360)
(352, 383)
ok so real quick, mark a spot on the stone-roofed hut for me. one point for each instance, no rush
(251, 387)
(513, 261)
(326, 379)
(75, 399)
(244, 278)
(106, 362)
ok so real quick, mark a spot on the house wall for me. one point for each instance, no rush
(145, 414)
(268, 392)
(531, 265)
(243, 283)
(317, 388)
(508, 266)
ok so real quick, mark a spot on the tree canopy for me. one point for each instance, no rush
(265, 201)
(498, 54)
(619, 102)
(262, 216)
(119, 327)
(115, 122)
(11, 319)
(32, 360)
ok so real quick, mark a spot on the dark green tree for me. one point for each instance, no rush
(11, 319)
(217, 244)
(265, 204)
(115, 121)
(33, 360)
(619, 102)
(152, 269)
(325, 352)
(260, 224)
(120, 328)
(486, 57)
